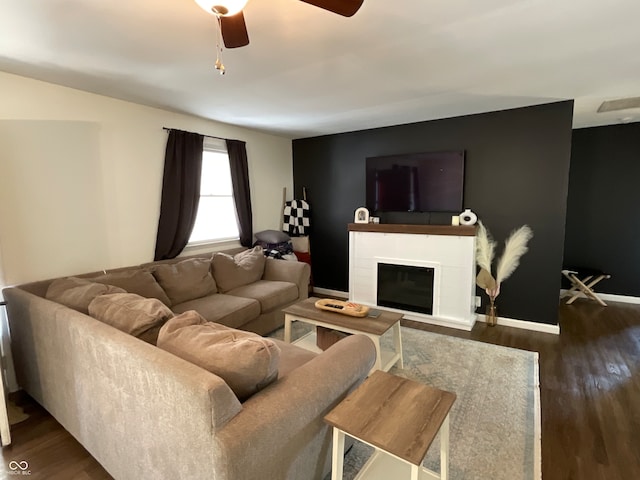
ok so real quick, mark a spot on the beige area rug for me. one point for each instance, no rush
(495, 421)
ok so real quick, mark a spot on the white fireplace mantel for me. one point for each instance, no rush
(450, 250)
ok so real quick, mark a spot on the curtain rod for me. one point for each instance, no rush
(210, 136)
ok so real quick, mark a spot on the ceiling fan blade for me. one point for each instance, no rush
(234, 31)
(346, 8)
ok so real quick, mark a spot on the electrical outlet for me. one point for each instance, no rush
(478, 301)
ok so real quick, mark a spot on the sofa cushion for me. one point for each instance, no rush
(245, 361)
(220, 308)
(300, 244)
(132, 314)
(241, 269)
(270, 294)
(77, 293)
(185, 280)
(136, 281)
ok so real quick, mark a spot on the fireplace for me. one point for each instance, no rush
(405, 287)
(440, 290)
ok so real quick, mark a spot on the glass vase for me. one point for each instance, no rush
(492, 315)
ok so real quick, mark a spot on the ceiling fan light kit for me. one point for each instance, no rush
(231, 17)
(232, 29)
(222, 8)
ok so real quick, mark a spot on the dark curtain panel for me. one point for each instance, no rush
(241, 192)
(180, 192)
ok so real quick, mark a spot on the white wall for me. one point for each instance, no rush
(81, 178)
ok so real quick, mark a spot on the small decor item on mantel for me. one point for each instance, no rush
(514, 247)
(468, 217)
(361, 215)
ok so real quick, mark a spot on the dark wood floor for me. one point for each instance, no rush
(590, 398)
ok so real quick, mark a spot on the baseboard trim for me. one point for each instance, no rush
(507, 322)
(523, 324)
(442, 322)
(331, 293)
(610, 297)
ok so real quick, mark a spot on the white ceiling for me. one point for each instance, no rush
(309, 72)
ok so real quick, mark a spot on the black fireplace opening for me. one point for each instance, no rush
(405, 287)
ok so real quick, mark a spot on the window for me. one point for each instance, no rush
(216, 220)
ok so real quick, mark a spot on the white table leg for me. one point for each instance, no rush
(444, 449)
(287, 328)
(415, 472)
(337, 460)
(378, 364)
(397, 340)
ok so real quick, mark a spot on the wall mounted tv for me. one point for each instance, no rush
(416, 182)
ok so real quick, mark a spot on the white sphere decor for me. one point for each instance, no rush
(468, 217)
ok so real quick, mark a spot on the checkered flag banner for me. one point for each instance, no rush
(296, 218)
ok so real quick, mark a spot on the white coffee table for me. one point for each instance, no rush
(306, 312)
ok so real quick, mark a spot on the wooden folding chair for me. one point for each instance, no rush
(583, 281)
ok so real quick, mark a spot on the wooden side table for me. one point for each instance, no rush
(399, 418)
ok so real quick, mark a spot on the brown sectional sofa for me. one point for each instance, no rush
(143, 412)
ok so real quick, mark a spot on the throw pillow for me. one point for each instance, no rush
(246, 361)
(241, 269)
(185, 280)
(272, 236)
(132, 314)
(136, 281)
(77, 293)
(300, 244)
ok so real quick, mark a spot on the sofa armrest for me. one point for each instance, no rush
(289, 271)
(280, 432)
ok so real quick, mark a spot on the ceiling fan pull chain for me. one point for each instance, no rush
(219, 65)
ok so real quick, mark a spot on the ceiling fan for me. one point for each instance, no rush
(234, 29)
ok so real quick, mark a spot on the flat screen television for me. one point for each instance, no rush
(416, 182)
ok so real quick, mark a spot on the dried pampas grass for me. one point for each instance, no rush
(485, 247)
(514, 247)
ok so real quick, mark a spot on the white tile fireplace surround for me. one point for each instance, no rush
(449, 250)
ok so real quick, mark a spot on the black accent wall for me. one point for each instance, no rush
(516, 172)
(603, 226)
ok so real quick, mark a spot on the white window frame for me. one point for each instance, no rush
(216, 145)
